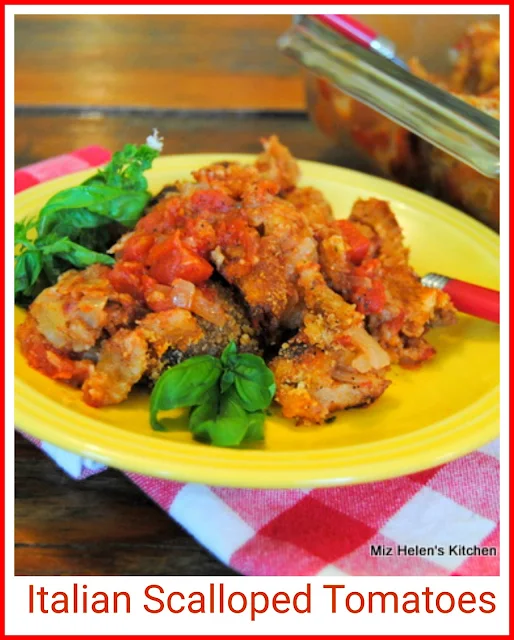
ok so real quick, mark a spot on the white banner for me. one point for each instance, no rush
(248, 605)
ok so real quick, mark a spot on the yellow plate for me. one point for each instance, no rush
(427, 417)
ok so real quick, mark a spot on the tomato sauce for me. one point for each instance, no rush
(358, 244)
(43, 357)
(369, 294)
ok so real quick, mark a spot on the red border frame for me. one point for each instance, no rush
(2, 280)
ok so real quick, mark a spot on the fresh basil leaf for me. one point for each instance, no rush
(27, 267)
(230, 426)
(82, 257)
(85, 218)
(76, 254)
(254, 382)
(203, 413)
(227, 380)
(228, 354)
(71, 222)
(126, 168)
(99, 239)
(52, 267)
(222, 396)
(255, 431)
(121, 205)
(113, 203)
(184, 385)
(21, 230)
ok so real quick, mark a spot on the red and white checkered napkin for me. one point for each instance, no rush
(322, 531)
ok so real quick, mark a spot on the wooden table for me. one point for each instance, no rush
(208, 84)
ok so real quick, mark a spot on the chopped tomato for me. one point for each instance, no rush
(211, 200)
(44, 357)
(147, 283)
(171, 259)
(357, 242)
(239, 242)
(137, 247)
(125, 277)
(164, 217)
(369, 294)
(370, 300)
(199, 236)
(368, 269)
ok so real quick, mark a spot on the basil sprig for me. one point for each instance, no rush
(185, 385)
(227, 396)
(75, 227)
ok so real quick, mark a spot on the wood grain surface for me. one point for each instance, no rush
(208, 62)
(100, 526)
(42, 133)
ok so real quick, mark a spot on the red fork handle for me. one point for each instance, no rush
(474, 300)
(351, 28)
(363, 35)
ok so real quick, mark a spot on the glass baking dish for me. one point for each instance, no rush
(398, 124)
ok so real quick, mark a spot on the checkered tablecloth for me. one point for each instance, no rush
(322, 531)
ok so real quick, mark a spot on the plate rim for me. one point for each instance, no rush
(254, 463)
